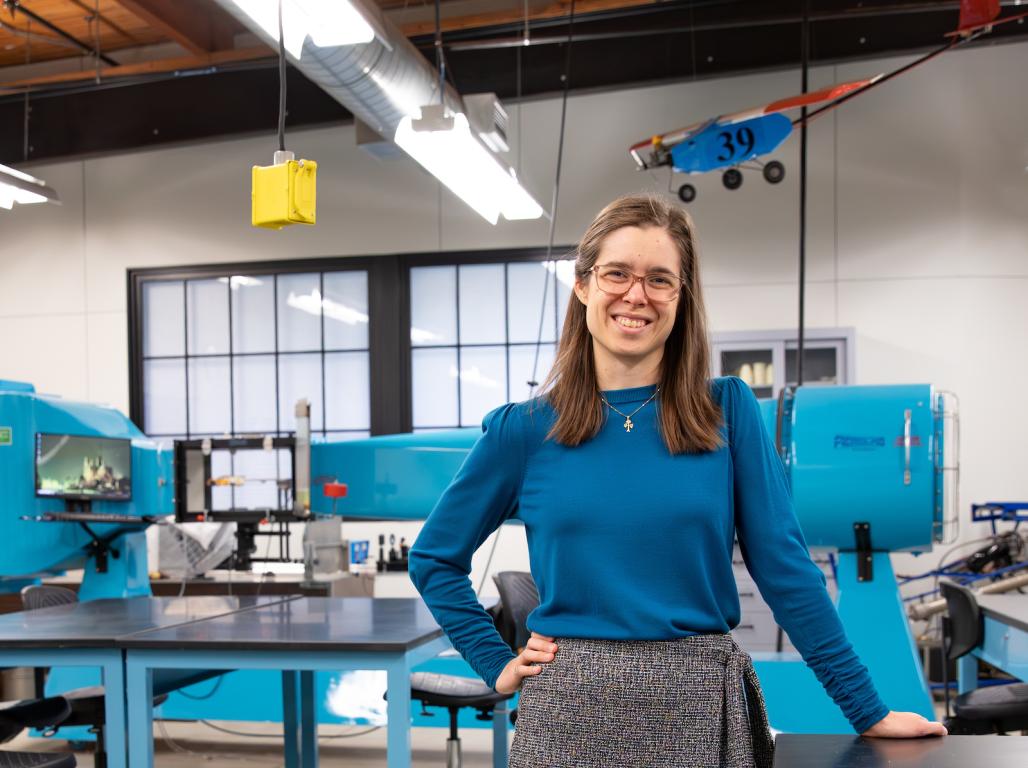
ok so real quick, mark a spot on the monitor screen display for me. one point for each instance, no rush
(83, 468)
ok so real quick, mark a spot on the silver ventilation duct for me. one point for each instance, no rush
(380, 82)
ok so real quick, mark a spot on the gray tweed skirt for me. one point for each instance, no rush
(692, 702)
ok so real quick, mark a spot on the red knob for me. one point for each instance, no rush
(335, 490)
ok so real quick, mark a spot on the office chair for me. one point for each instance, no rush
(16, 716)
(46, 596)
(518, 598)
(996, 709)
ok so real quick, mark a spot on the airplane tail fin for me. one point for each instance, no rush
(975, 14)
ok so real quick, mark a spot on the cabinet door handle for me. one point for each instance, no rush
(906, 446)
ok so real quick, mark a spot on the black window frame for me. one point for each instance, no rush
(389, 316)
(468, 258)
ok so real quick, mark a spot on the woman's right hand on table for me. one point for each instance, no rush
(539, 650)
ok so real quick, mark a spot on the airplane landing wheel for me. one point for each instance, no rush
(774, 172)
(687, 193)
(732, 178)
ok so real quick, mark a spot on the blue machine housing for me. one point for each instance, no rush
(32, 548)
(868, 457)
(845, 451)
(396, 477)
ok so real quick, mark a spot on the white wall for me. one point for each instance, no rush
(917, 235)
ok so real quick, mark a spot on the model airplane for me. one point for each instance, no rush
(736, 141)
(728, 141)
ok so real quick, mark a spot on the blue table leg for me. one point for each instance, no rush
(501, 715)
(308, 721)
(398, 713)
(114, 713)
(967, 673)
(139, 687)
(290, 722)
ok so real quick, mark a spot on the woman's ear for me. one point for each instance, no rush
(582, 292)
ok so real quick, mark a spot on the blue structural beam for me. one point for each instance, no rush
(876, 624)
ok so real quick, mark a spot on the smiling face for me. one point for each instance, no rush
(629, 331)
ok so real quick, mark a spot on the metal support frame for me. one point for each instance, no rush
(997, 511)
(865, 560)
(1003, 646)
(112, 666)
(297, 689)
(876, 625)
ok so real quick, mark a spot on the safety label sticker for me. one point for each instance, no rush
(5, 435)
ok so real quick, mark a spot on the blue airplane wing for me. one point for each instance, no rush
(723, 145)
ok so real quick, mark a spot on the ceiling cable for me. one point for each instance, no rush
(281, 83)
(440, 62)
(95, 24)
(27, 109)
(533, 382)
(518, 64)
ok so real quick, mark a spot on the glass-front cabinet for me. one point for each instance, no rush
(767, 360)
(755, 364)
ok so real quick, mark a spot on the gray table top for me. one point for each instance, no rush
(306, 624)
(1009, 608)
(101, 623)
(817, 751)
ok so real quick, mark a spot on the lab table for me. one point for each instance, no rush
(1004, 639)
(826, 751)
(297, 637)
(90, 634)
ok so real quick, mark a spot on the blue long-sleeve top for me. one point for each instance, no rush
(629, 542)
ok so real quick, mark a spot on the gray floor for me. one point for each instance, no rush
(183, 745)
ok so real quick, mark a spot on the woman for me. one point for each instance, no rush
(633, 475)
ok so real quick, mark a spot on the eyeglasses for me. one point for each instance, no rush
(658, 286)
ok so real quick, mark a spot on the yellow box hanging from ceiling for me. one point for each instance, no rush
(283, 194)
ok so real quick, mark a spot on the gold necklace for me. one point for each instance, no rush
(628, 416)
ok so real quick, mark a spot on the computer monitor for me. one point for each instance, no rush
(83, 468)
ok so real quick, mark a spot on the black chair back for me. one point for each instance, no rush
(962, 627)
(518, 597)
(46, 596)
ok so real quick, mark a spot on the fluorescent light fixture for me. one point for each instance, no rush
(468, 169)
(328, 23)
(18, 187)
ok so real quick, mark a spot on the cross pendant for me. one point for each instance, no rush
(628, 424)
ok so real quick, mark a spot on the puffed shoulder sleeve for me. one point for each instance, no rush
(776, 555)
(483, 494)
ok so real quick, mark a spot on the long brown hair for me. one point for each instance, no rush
(689, 417)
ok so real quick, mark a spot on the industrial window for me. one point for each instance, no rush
(477, 330)
(232, 353)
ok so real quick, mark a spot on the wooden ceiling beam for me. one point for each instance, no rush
(91, 9)
(142, 68)
(199, 26)
(555, 10)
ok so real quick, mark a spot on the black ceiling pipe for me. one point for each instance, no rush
(14, 5)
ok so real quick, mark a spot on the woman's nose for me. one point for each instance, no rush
(636, 294)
